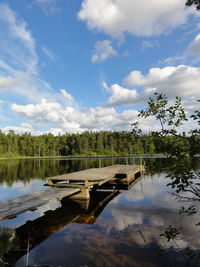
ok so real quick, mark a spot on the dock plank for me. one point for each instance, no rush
(96, 175)
(32, 201)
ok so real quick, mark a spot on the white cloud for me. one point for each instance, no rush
(182, 80)
(126, 218)
(179, 80)
(161, 212)
(24, 127)
(41, 110)
(66, 95)
(150, 187)
(18, 28)
(19, 75)
(49, 7)
(120, 96)
(191, 55)
(15, 32)
(28, 128)
(149, 44)
(147, 18)
(6, 82)
(68, 119)
(48, 53)
(103, 50)
(194, 47)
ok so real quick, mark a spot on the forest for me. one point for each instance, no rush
(83, 144)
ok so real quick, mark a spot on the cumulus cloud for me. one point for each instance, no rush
(103, 50)
(24, 127)
(68, 119)
(120, 96)
(146, 18)
(179, 80)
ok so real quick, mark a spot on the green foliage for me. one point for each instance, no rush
(184, 177)
(195, 3)
(189, 211)
(170, 117)
(85, 144)
(171, 233)
(184, 148)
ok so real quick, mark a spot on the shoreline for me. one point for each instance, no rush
(71, 157)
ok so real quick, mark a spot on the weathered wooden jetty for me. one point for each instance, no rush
(96, 177)
(74, 185)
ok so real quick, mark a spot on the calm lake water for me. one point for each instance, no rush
(116, 229)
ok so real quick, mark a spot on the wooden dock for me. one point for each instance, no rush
(74, 185)
(96, 177)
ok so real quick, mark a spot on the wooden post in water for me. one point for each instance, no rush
(99, 163)
(84, 194)
(140, 161)
(27, 254)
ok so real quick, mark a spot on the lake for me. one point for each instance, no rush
(116, 228)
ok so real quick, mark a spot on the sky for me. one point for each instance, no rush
(77, 65)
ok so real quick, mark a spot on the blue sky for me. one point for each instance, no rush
(76, 65)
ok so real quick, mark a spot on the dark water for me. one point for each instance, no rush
(113, 229)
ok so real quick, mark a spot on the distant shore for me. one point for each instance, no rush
(83, 156)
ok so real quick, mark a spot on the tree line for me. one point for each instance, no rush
(83, 144)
